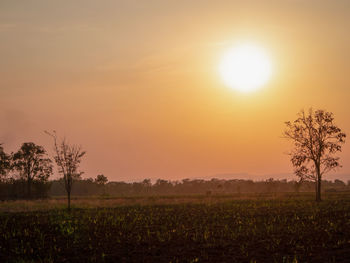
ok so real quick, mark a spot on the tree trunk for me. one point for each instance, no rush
(68, 193)
(318, 183)
(29, 188)
(318, 193)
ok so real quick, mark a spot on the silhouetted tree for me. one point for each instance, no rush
(5, 164)
(316, 141)
(32, 163)
(101, 180)
(162, 186)
(68, 158)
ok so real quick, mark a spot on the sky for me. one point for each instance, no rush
(136, 83)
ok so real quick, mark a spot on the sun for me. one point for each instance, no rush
(245, 67)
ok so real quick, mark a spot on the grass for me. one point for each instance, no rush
(59, 202)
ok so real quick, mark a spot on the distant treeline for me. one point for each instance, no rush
(17, 189)
(89, 187)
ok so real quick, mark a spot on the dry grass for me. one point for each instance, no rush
(109, 202)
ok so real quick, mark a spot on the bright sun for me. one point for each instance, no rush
(245, 67)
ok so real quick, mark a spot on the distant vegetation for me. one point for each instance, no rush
(16, 189)
(90, 187)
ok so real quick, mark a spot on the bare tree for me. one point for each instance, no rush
(316, 141)
(68, 158)
(32, 163)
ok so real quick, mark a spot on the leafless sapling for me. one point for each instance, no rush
(68, 158)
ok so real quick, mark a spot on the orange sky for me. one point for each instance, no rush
(136, 83)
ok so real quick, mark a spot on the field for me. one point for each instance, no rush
(178, 229)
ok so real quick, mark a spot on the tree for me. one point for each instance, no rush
(147, 185)
(101, 180)
(5, 163)
(32, 163)
(316, 141)
(68, 158)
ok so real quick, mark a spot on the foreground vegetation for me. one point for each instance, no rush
(221, 230)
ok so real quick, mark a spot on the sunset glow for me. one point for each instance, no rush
(172, 89)
(245, 68)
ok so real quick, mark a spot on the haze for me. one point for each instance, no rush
(136, 82)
